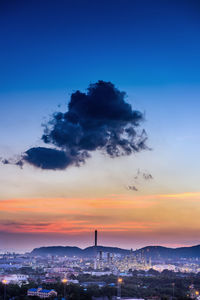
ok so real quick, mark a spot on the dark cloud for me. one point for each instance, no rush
(144, 175)
(147, 176)
(47, 158)
(13, 161)
(20, 163)
(99, 119)
(5, 161)
(132, 188)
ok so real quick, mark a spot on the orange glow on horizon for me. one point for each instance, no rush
(127, 214)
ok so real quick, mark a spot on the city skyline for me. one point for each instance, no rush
(148, 50)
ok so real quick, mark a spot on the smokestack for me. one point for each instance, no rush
(95, 241)
(95, 249)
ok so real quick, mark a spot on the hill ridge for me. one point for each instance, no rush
(155, 252)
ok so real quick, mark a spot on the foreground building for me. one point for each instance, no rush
(41, 293)
(15, 278)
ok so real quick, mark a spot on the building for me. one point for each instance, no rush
(193, 293)
(41, 293)
(15, 278)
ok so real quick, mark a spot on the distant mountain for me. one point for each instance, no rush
(90, 250)
(158, 252)
(155, 252)
(75, 251)
(57, 250)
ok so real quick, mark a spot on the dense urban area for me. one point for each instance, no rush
(100, 273)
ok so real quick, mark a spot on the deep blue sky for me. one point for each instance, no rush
(59, 44)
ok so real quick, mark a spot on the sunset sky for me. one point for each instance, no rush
(150, 50)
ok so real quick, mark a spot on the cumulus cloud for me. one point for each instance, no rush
(99, 119)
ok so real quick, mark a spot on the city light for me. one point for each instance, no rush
(64, 280)
(120, 280)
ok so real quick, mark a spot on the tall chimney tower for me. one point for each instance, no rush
(95, 249)
(95, 238)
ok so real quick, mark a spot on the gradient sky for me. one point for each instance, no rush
(151, 50)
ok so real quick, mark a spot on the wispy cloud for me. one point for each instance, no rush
(157, 214)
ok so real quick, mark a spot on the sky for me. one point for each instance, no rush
(149, 49)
